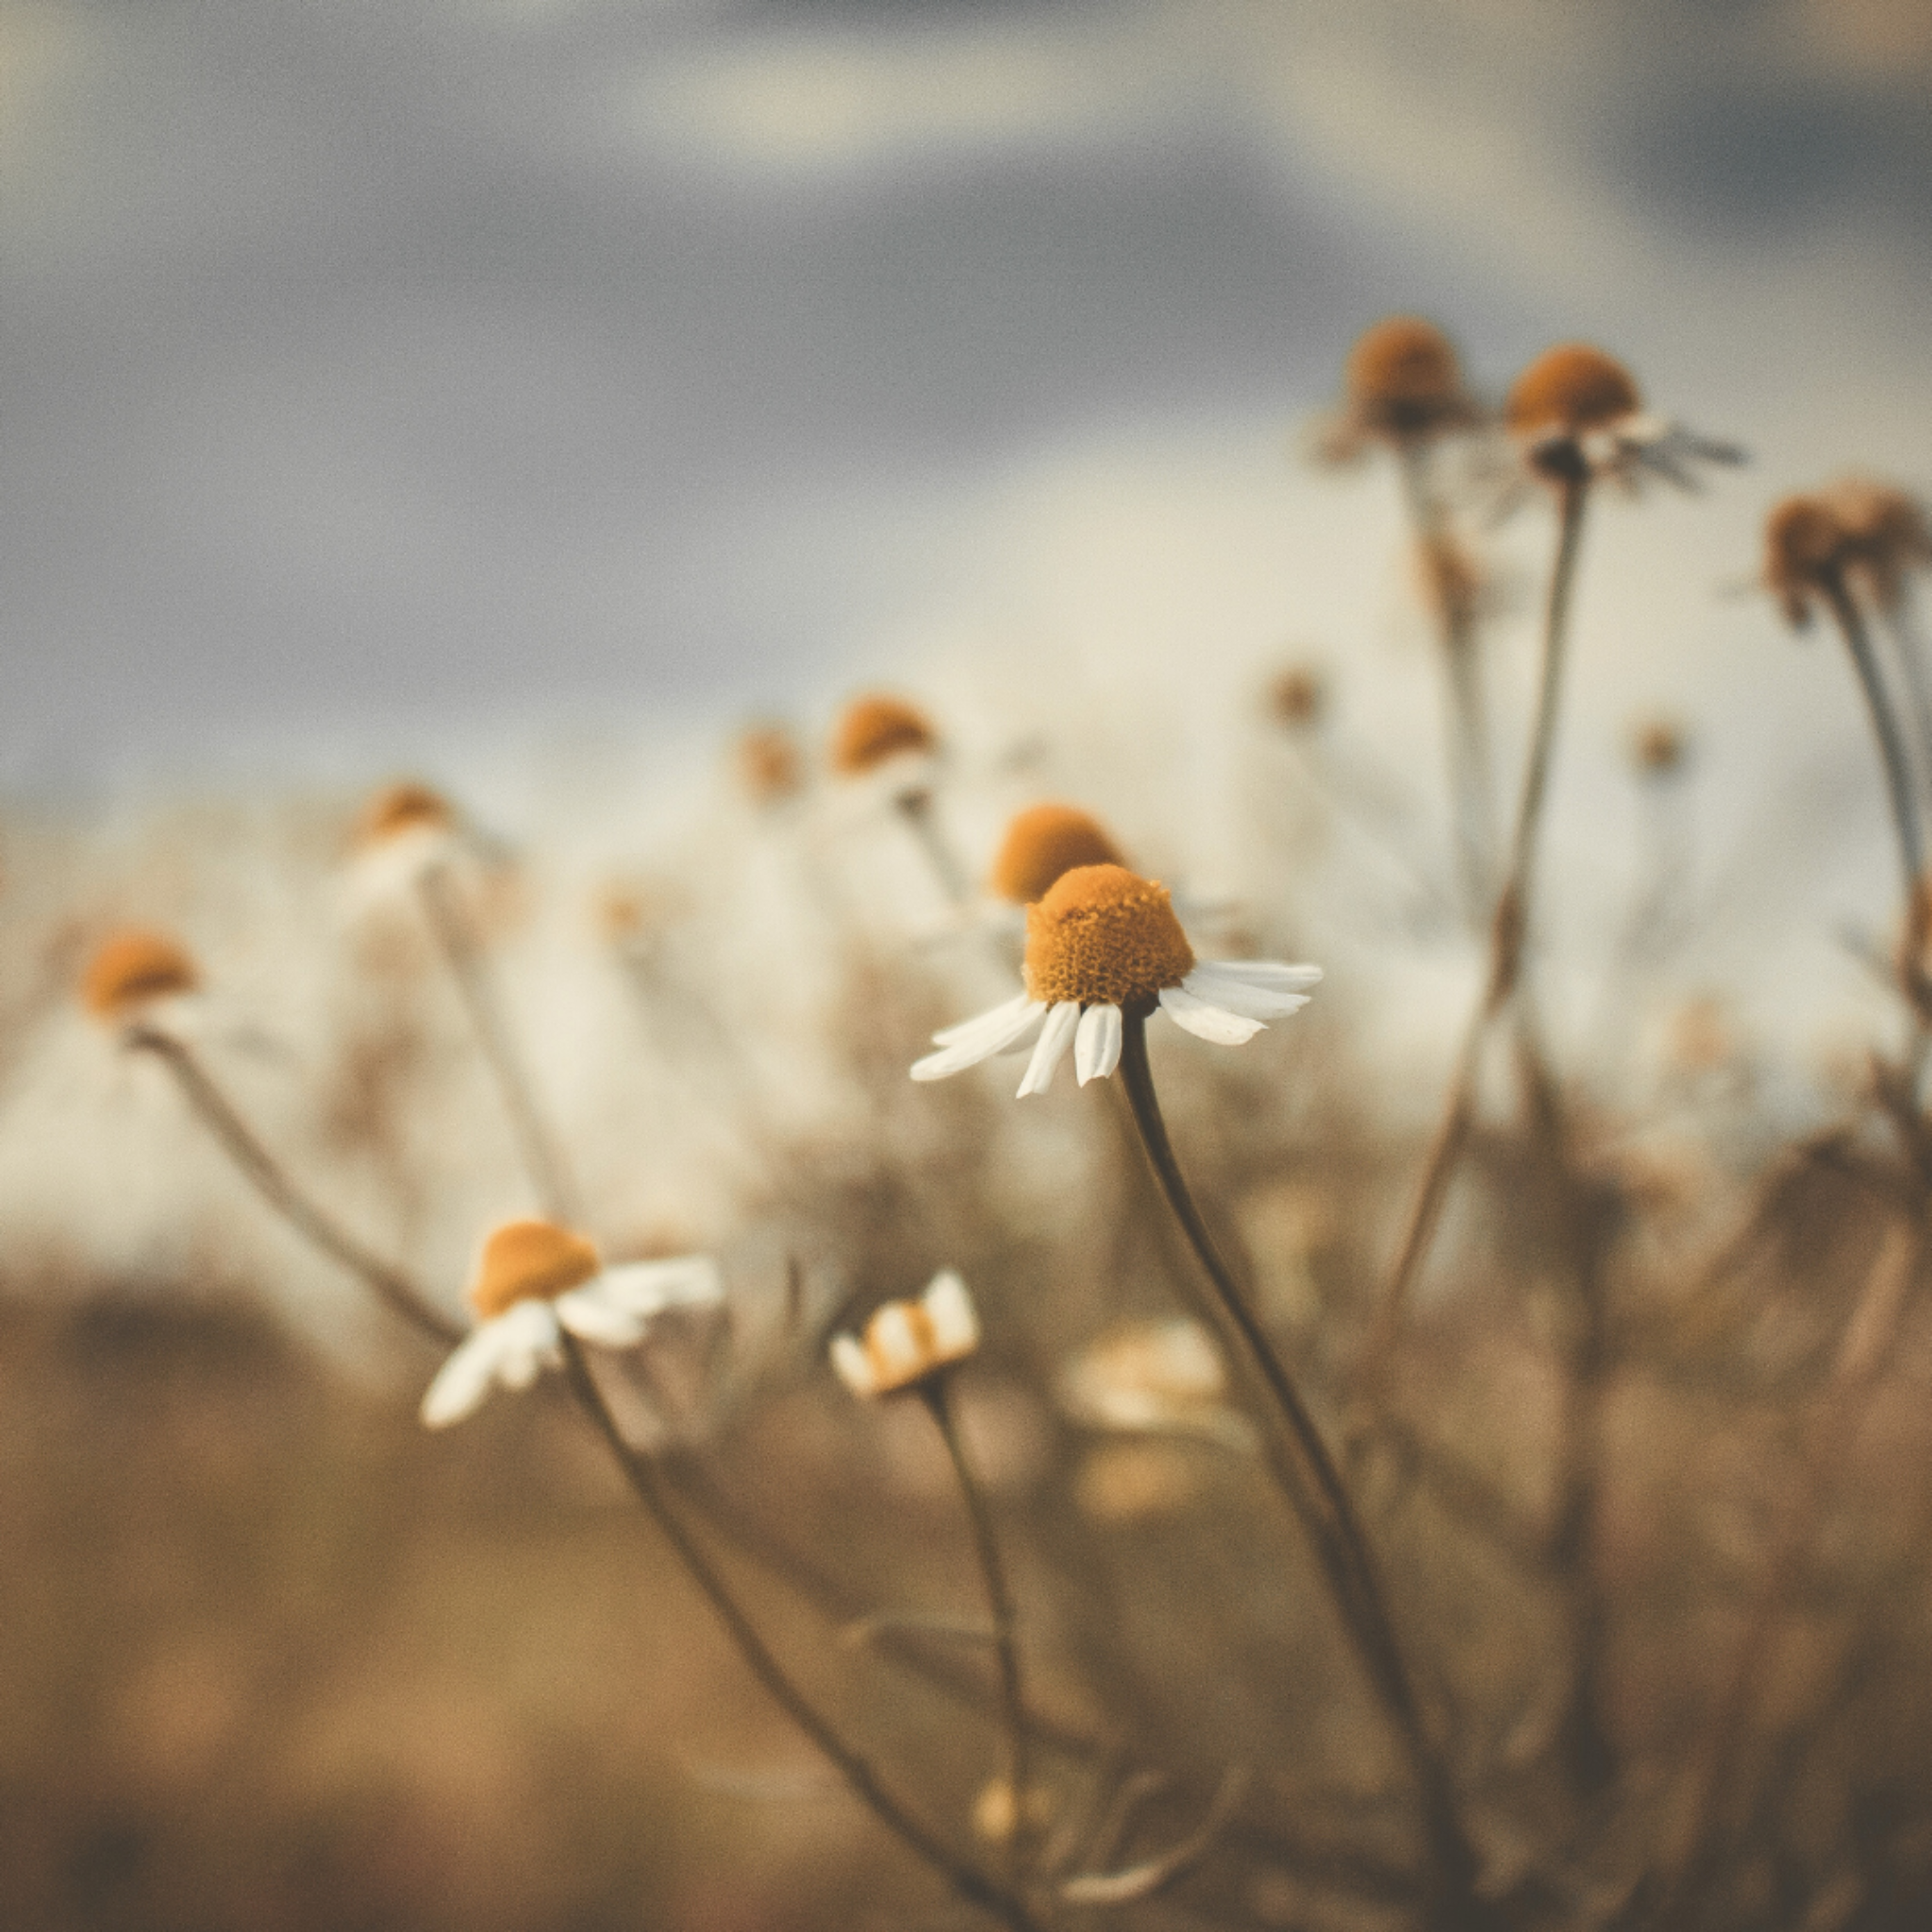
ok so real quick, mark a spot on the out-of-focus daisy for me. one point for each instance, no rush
(1154, 1377)
(405, 829)
(1040, 846)
(1576, 413)
(135, 976)
(534, 1282)
(879, 735)
(1402, 385)
(769, 763)
(907, 1341)
(1102, 943)
(1854, 536)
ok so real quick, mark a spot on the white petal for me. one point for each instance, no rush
(508, 1350)
(648, 1288)
(1207, 1022)
(853, 1365)
(949, 1308)
(897, 1349)
(1238, 996)
(949, 1035)
(991, 1033)
(1055, 1038)
(1268, 973)
(593, 1317)
(1098, 1044)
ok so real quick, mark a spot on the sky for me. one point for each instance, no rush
(383, 371)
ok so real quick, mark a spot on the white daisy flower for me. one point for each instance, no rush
(1101, 943)
(1576, 413)
(403, 831)
(139, 978)
(533, 1282)
(906, 1342)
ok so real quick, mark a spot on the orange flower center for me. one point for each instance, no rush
(1569, 391)
(874, 728)
(1041, 843)
(1403, 366)
(403, 807)
(769, 765)
(131, 968)
(529, 1260)
(1103, 936)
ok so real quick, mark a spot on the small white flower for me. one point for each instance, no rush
(534, 1282)
(1102, 941)
(908, 1341)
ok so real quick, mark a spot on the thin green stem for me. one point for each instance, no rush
(542, 1159)
(1308, 1477)
(857, 1772)
(937, 1392)
(271, 1180)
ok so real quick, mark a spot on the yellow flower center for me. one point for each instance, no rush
(1103, 936)
(1402, 378)
(131, 968)
(1569, 391)
(1044, 842)
(529, 1260)
(403, 807)
(874, 728)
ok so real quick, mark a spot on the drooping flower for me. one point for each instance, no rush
(1575, 412)
(131, 971)
(1854, 534)
(1102, 943)
(905, 1341)
(533, 1282)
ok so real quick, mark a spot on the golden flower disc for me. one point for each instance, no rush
(1569, 391)
(1103, 936)
(877, 728)
(529, 1260)
(131, 968)
(404, 806)
(1044, 842)
(1403, 364)
(769, 765)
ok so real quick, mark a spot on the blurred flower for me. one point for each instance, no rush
(1298, 697)
(1854, 534)
(133, 970)
(1101, 942)
(1659, 748)
(908, 1341)
(533, 1282)
(1886, 533)
(769, 765)
(876, 731)
(1162, 1377)
(1040, 845)
(1575, 412)
(403, 829)
(1402, 385)
(1807, 548)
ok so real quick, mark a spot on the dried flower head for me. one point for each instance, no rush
(1659, 748)
(877, 728)
(770, 765)
(1807, 549)
(1104, 942)
(1403, 382)
(1576, 413)
(403, 807)
(1044, 842)
(1298, 697)
(906, 1342)
(130, 970)
(535, 1282)
(1887, 535)
(529, 1260)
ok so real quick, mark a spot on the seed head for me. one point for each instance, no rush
(1103, 936)
(877, 728)
(1568, 392)
(1298, 697)
(132, 968)
(529, 1260)
(1659, 748)
(770, 766)
(404, 806)
(1403, 380)
(1041, 843)
(1807, 548)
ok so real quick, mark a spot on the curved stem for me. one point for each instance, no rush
(937, 1392)
(638, 1472)
(1308, 1476)
(542, 1160)
(271, 1181)
(1507, 929)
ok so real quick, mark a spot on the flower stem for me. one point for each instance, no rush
(1507, 929)
(639, 1473)
(271, 1182)
(542, 1159)
(936, 1391)
(1308, 1476)
(915, 807)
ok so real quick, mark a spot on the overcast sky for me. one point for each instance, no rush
(375, 368)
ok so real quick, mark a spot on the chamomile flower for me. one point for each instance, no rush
(404, 830)
(1102, 943)
(136, 974)
(883, 735)
(905, 1341)
(534, 1282)
(1576, 413)
(1040, 846)
(1402, 385)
